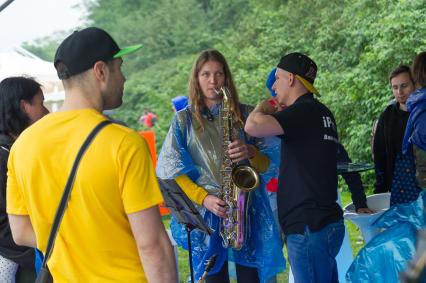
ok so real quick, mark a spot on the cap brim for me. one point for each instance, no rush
(310, 87)
(127, 50)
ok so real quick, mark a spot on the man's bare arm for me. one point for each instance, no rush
(155, 249)
(22, 230)
(260, 124)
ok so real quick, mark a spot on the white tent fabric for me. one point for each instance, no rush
(19, 62)
(55, 96)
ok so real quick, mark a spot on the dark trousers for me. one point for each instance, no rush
(244, 275)
(25, 275)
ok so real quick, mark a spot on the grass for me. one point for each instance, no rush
(354, 235)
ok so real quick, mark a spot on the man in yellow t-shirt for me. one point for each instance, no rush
(111, 230)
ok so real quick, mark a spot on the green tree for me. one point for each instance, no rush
(355, 45)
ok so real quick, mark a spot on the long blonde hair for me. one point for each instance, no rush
(196, 94)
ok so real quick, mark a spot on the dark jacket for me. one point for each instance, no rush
(420, 159)
(387, 145)
(22, 255)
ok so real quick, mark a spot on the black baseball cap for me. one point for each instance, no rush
(82, 49)
(303, 67)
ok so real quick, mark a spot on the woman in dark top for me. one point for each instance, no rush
(21, 104)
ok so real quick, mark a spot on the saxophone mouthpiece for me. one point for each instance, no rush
(218, 91)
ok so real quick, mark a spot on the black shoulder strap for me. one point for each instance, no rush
(67, 191)
(245, 111)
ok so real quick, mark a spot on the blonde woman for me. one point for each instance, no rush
(192, 155)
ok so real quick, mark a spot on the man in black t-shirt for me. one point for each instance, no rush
(308, 213)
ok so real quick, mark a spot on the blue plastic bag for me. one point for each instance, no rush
(388, 253)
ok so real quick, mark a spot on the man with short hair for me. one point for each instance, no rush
(388, 137)
(308, 213)
(111, 230)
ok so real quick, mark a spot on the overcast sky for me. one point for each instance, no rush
(26, 20)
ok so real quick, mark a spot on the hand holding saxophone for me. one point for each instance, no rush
(239, 150)
(215, 205)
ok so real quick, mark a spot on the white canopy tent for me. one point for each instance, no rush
(20, 62)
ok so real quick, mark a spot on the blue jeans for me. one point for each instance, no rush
(312, 255)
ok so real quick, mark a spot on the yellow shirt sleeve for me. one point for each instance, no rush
(260, 162)
(138, 183)
(192, 190)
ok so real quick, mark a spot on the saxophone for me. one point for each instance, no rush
(237, 182)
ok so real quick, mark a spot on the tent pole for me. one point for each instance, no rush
(5, 4)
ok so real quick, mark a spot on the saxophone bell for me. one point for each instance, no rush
(245, 178)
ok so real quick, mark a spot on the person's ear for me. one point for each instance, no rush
(24, 105)
(291, 78)
(100, 70)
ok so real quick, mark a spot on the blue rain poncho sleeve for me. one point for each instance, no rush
(174, 159)
(415, 132)
(263, 246)
(387, 254)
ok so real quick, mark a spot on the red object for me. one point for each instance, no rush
(148, 119)
(272, 101)
(272, 185)
(149, 136)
